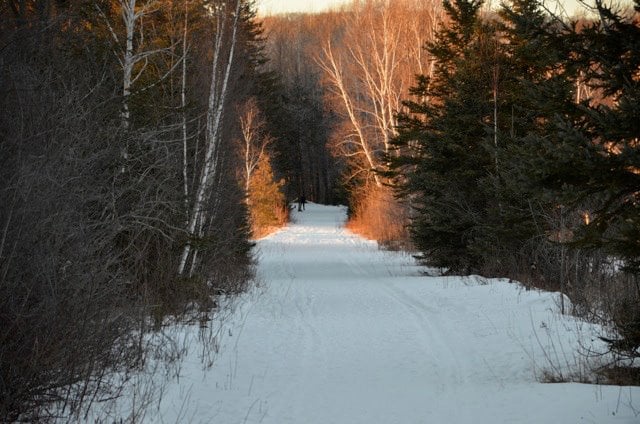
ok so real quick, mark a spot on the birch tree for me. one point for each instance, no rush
(356, 144)
(88, 252)
(227, 20)
(371, 71)
(134, 48)
(183, 106)
(254, 140)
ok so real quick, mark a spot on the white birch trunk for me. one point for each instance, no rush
(215, 109)
(333, 69)
(254, 140)
(183, 105)
(378, 37)
(129, 18)
(130, 55)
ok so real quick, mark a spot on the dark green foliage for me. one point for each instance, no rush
(522, 149)
(532, 90)
(445, 157)
(585, 156)
(606, 170)
(497, 86)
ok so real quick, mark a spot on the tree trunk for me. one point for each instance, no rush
(183, 105)
(215, 112)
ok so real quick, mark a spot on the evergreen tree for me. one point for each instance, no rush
(467, 144)
(595, 159)
(531, 88)
(442, 156)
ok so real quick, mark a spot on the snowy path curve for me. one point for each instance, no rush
(341, 332)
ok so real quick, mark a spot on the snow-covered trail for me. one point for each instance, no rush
(341, 332)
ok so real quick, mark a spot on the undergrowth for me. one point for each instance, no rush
(376, 214)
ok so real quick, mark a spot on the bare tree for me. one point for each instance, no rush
(357, 143)
(67, 321)
(371, 68)
(183, 106)
(299, 117)
(254, 141)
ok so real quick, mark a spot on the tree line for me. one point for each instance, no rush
(496, 141)
(519, 153)
(344, 74)
(124, 197)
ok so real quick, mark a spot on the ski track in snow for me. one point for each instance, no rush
(338, 331)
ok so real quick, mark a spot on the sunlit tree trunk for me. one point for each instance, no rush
(383, 50)
(333, 68)
(254, 140)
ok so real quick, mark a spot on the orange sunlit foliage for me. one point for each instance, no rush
(367, 54)
(267, 208)
(369, 64)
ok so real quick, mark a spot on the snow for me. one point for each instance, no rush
(338, 331)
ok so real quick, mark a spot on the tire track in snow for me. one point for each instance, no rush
(345, 333)
(433, 333)
(436, 333)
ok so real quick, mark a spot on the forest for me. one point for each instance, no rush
(494, 141)
(145, 144)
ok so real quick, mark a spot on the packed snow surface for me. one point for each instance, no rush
(339, 331)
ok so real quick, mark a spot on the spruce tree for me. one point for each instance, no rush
(442, 156)
(596, 158)
(532, 88)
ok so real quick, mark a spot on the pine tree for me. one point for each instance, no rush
(471, 141)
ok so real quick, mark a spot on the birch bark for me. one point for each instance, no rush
(132, 52)
(370, 76)
(183, 106)
(254, 139)
(333, 68)
(218, 91)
